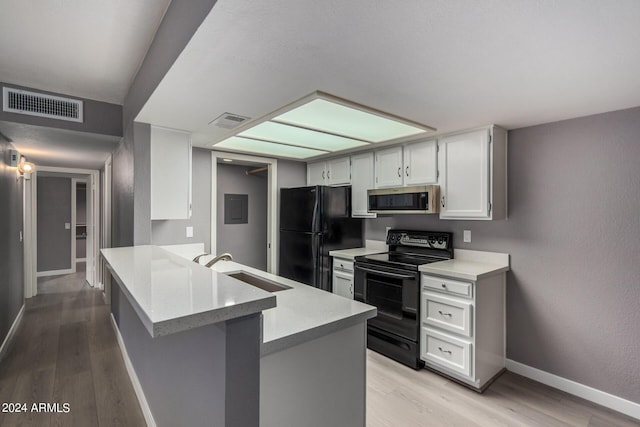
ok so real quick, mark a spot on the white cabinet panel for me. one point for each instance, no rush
(473, 175)
(420, 163)
(447, 351)
(338, 171)
(388, 167)
(362, 179)
(170, 174)
(316, 173)
(343, 284)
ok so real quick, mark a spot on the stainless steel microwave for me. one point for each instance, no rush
(420, 199)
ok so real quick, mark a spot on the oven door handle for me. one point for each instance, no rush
(384, 273)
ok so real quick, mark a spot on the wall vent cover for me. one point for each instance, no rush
(229, 120)
(41, 105)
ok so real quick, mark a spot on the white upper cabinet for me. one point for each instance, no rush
(316, 173)
(473, 174)
(339, 171)
(420, 163)
(170, 174)
(332, 172)
(388, 167)
(362, 179)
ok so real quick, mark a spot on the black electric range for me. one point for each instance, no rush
(391, 282)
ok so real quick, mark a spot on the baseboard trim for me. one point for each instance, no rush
(137, 387)
(54, 272)
(12, 331)
(591, 394)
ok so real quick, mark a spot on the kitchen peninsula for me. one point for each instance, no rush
(204, 348)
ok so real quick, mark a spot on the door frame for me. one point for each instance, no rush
(272, 198)
(31, 229)
(74, 219)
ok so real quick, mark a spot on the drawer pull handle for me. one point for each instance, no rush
(444, 286)
(444, 314)
(444, 351)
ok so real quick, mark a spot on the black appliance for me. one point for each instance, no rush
(391, 282)
(313, 221)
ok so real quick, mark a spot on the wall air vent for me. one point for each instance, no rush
(229, 120)
(41, 105)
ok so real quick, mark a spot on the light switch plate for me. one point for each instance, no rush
(189, 231)
(466, 236)
(67, 226)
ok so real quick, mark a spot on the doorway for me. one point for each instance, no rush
(38, 237)
(252, 179)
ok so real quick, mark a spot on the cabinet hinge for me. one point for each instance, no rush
(489, 207)
(437, 174)
(490, 139)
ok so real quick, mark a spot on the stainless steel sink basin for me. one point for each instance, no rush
(258, 282)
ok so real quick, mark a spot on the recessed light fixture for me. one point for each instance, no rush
(319, 124)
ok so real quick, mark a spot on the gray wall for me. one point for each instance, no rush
(54, 210)
(574, 237)
(122, 192)
(98, 117)
(142, 183)
(246, 242)
(11, 250)
(174, 231)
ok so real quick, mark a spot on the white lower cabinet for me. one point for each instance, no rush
(463, 327)
(343, 277)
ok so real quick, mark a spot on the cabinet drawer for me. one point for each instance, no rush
(342, 265)
(449, 286)
(446, 351)
(447, 313)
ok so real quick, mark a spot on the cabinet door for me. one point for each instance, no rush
(420, 163)
(464, 175)
(343, 284)
(339, 171)
(389, 167)
(362, 179)
(170, 174)
(316, 174)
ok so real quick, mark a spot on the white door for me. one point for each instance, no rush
(389, 167)
(339, 171)
(464, 175)
(420, 163)
(343, 284)
(362, 179)
(316, 174)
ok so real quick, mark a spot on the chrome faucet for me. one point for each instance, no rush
(225, 256)
(197, 259)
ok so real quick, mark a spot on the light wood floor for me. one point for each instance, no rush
(399, 396)
(65, 351)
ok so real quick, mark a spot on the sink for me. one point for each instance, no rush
(258, 282)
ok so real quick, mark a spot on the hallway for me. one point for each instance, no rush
(65, 351)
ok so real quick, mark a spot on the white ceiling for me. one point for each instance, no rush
(84, 48)
(58, 147)
(452, 64)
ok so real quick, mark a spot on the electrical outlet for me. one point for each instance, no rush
(189, 231)
(67, 226)
(466, 236)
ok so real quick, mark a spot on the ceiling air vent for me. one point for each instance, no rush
(41, 105)
(229, 120)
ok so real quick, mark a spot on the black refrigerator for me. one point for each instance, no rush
(313, 221)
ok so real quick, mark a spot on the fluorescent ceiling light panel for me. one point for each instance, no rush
(293, 135)
(320, 124)
(336, 118)
(264, 147)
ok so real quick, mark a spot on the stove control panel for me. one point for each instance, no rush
(433, 240)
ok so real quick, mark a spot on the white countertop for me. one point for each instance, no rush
(469, 265)
(172, 294)
(303, 312)
(372, 247)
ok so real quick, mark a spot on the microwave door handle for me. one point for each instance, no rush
(384, 273)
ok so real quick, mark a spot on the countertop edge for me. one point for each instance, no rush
(211, 317)
(448, 272)
(289, 341)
